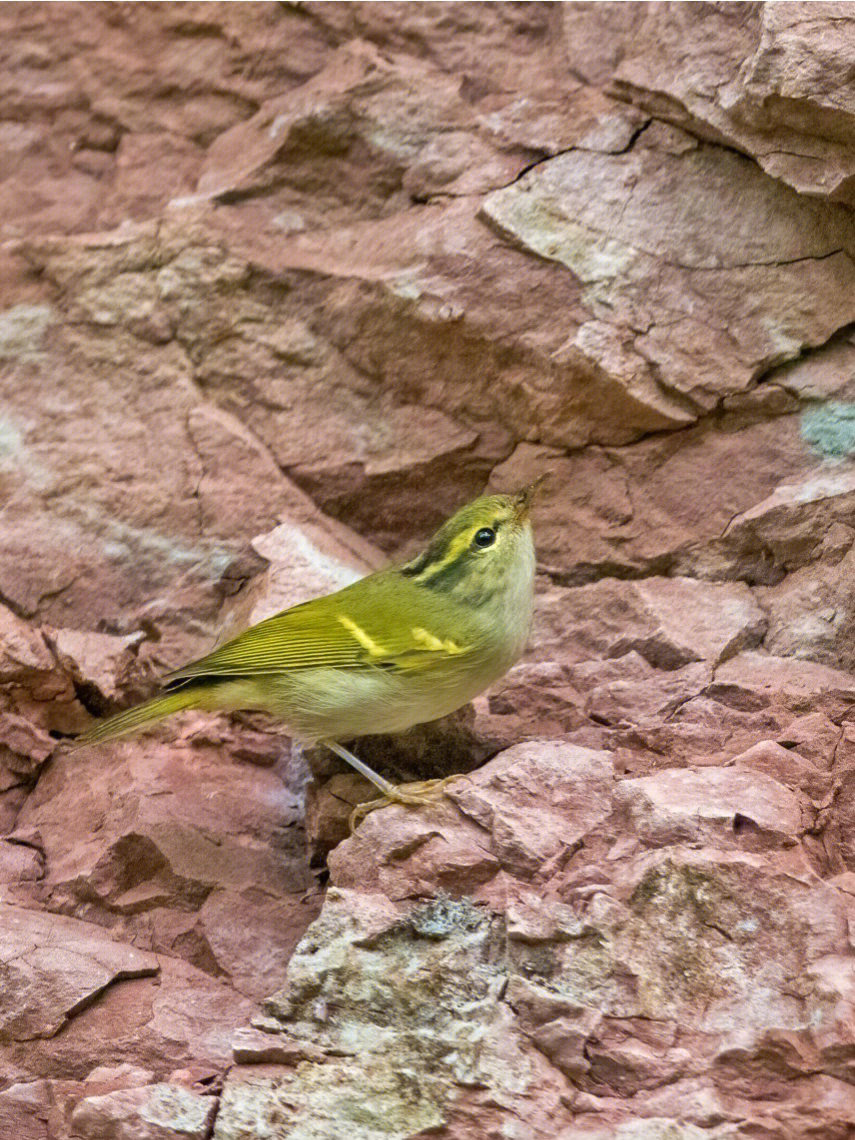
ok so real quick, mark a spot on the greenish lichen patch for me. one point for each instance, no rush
(22, 331)
(830, 429)
(697, 944)
(368, 1100)
(415, 1002)
(678, 910)
(443, 916)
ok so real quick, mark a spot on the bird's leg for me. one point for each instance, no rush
(411, 795)
(382, 785)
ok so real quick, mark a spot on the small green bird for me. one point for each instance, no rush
(405, 645)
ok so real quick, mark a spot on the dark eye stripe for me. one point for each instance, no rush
(448, 559)
(445, 578)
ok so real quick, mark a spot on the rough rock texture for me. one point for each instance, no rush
(280, 286)
(771, 80)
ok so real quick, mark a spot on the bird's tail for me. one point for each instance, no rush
(141, 715)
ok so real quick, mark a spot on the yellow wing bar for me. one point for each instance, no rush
(345, 630)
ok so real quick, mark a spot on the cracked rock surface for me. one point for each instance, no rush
(280, 287)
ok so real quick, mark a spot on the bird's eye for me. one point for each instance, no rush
(485, 537)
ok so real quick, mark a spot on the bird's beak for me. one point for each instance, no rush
(523, 498)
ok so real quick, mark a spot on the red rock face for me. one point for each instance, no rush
(280, 287)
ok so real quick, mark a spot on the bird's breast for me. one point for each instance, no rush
(338, 704)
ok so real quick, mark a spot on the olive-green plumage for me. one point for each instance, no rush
(402, 646)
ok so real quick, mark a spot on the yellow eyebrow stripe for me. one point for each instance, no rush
(434, 643)
(455, 549)
(365, 640)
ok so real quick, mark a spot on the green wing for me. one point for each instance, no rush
(353, 628)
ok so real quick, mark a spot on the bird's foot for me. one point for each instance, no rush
(409, 795)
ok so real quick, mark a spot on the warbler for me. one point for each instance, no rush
(407, 644)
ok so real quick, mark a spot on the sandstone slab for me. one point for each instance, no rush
(175, 851)
(718, 806)
(152, 1112)
(670, 622)
(552, 213)
(769, 81)
(54, 966)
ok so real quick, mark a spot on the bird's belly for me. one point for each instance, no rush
(337, 704)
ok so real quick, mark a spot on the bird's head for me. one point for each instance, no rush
(483, 552)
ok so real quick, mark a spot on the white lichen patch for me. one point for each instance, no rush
(11, 441)
(541, 224)
(22, 331)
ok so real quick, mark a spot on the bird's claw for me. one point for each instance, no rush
(408, 795)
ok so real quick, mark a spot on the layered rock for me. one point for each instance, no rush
(772, 82)
(570, 951)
